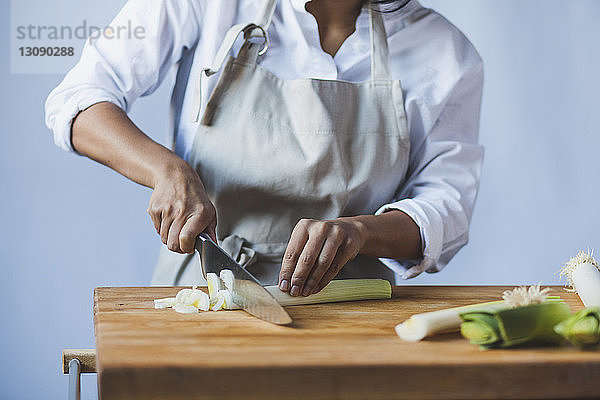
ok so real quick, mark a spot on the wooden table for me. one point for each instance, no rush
(332, 351)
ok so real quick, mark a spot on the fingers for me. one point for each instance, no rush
(179, 226)
(305, 263)
(193, 227)
(165, 226)
(324, 261)
(292, 253)
(316, 252)
(173, 235)
(345, 253)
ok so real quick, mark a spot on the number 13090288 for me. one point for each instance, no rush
(47, 51)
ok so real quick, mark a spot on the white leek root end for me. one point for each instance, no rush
(523, 296)
(583, 276)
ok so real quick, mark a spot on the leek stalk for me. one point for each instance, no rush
(338, 290)
(531, 324)
(582, 328)
(419, 326)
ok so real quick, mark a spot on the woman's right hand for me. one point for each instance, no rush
(180, 208)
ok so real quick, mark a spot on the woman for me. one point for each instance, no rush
(303, 154)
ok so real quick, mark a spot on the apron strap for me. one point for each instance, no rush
(380, 53)
(380, 68)
(251, 31)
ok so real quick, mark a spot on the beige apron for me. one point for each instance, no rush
(271, 152)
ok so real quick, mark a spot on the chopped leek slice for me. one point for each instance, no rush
(214, 284)
(185, 308)
(164, 303)
(218, 303)
(228, 303)
(193, 297)
(228, 279)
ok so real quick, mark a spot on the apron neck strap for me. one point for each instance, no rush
(380, 54)
(265, 14)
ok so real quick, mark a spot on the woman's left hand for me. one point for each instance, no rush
(316, 252)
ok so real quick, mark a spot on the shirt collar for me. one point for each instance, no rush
(411, 6)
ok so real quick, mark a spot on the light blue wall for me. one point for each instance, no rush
(70, 225)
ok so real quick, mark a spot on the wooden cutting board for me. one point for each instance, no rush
(332, 351)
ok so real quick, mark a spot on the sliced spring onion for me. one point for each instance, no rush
(338, 290)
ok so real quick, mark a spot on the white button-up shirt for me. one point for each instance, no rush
(440, 71)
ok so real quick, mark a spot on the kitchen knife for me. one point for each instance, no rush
(246, 291)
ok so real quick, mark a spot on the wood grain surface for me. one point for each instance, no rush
(332, 351)
(87, 358)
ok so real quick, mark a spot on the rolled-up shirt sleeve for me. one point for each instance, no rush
(121, 69)
(443, 178)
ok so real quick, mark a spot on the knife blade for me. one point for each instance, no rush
(246, 291)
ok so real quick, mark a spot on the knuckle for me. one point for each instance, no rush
(186, 236)
(305, 259)
(168, 209)
(324, 260)
(299, 278)
(173, 245)
(336, 230)
(348, 243)
(179, 208)
(320, 228)
(290, 255)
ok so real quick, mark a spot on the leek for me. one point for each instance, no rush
(336, 291)
(528, 324)
(419, 326)
(582, 328)
(583, 276)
